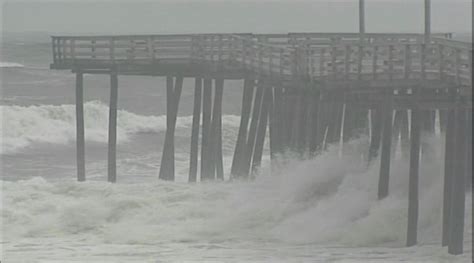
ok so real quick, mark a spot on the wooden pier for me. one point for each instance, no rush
(305, 88)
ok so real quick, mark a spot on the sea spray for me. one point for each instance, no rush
(329, 200)
(26, 125)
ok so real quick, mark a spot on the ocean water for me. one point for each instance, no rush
(318, 210)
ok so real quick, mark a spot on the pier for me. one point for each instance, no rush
(308, 91)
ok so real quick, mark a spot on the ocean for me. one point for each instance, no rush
(318, 210)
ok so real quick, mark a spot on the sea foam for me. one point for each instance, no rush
(26, 125)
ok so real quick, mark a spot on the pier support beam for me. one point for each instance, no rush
(173, 95)
(412, 229)
(253, 130)
(80, 138)
(376, 133)
(217, 166)
(112, 150)
(385, 154)
(448, 171)
(262, 129)
(206, 129)
(193, 160)
(239, 152)
(456, 219)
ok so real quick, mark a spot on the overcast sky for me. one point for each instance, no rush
(113, 17)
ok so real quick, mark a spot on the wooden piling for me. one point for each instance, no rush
(193, 159)
(206, 128)
(239, 151)
(277, 121)
(80, 138)
(173, 94)
(384, 175)
(313, 133)
(376, 133)
(262, 129)
(216, 132)
(249, 148)
(112, 149)
(456, 219)
(450, 141)
(468, 158)
(400, 132)
(412, 228)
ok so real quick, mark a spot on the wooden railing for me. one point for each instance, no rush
(311, 56)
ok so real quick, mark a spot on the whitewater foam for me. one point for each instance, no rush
(11, 65)
(26, 125)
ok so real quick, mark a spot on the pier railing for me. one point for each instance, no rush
(312, 56)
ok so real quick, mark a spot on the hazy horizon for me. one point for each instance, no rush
(96, 17)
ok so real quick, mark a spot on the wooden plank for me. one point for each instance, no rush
(193, 159)
(112, 149)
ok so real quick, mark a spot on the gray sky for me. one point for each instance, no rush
(113, 17)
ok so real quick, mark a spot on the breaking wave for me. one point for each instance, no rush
(317, 201)
(11, 65)
(26, 125)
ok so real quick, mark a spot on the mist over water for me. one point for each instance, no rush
(327, 202)
(318, 210)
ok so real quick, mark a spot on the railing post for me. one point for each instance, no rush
(407, 61)
(470, 68)
(282, 50)
(457, 65)
(347, 62)
(322, 62)
(359, 61)
(390, 62)
(422, 61)
(333, 62)
(112, 49)
(64, 44)
(441, 61)
(374, 63)
(151, 48)
(53, 40)
(93, 49)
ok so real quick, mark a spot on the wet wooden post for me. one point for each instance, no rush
(386, 145)
(193, 160)
(206, 128)
(314, 133)
(173, 94)
(448, 171)
(239, 151)
(112, 149)
(262, 129)
(298, 98)
(412, 228)
(400, 129)
(456, 219)
(217, 167)
(469, 151)
(376, 132)
(80, 138)
(252, 130)
(273, 115)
